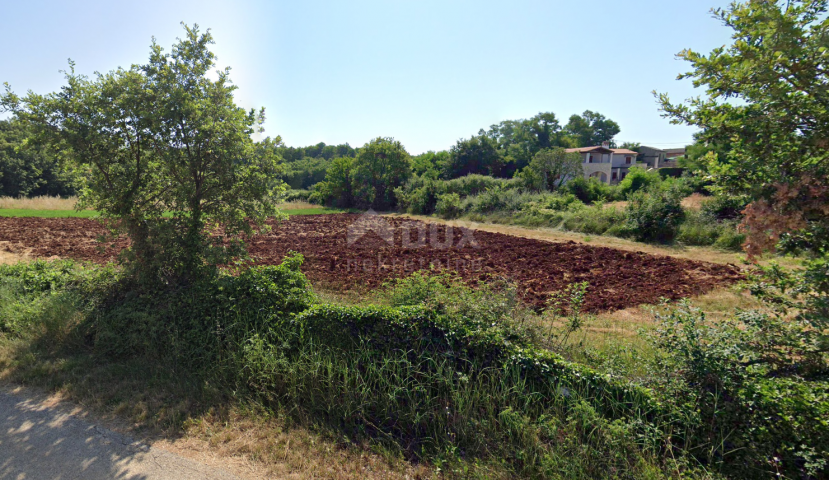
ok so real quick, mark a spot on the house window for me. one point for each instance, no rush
(627, 159)
(624, 174)
(590, 159)
(614, 175)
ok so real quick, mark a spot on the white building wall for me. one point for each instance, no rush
(619, 160)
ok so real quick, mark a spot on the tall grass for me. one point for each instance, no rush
(454, 376)
(427, 408)
(38, 203)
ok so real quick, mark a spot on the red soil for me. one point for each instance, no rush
(335, 256)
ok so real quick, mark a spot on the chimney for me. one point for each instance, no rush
(605, 144)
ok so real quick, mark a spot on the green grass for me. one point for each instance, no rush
(314, 211)
(20, 212)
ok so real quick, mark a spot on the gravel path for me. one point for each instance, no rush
(48, 443)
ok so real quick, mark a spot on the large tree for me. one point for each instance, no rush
(163, 153)
(550, 168)
(765, 115)
(591, 128)
(28, 169)
(337, 190)
(478, 154)
(764, 121)
(518, 140)
(382, 165)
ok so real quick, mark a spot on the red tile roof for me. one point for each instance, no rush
(589, 149)
(620, 151)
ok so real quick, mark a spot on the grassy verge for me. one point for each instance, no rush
(439, 379)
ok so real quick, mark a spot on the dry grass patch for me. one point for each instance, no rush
(38, 203)
(626, 324)
(297, 205)
(693, 201)
(9, 257)
(716, 304)
(620, 205)
(267, 447)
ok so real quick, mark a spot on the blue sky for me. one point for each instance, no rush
(425, 72)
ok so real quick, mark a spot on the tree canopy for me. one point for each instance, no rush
(765, 114)
(591, 128)
(550, 168)
(163, 153)
(28, 169)
(478, 154)
(382, 165)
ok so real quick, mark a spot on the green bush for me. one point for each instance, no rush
(429, 408)
(698, 229)
(638, 179)
(202, 322)
(498, 200)
(475, 184)
(555, 201)
(297, 196)
(702, 229)
(724, 207)
(753, 391)
(419, 195)
(590, 190)
(730, 239)
(471, 343)
(655, 216)
(595, 220)
(449, 205)
(41, 293)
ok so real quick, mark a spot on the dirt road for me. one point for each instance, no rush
(47, 442)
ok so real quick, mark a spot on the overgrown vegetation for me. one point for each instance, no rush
(652, 212)
(164, 155)
(458, 376)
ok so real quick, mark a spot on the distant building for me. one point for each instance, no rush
(659, 158)
(609, 165)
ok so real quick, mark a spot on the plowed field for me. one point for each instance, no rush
(350, 251)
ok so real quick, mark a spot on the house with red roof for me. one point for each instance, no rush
(608, 165)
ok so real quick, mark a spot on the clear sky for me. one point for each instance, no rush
(425, 72)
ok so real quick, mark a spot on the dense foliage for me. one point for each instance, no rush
(29, 170)
(454, 374)
(163, 153)
(304, 167)
(766, 119)
(765, 115)
(369, 180)
(551, 168)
